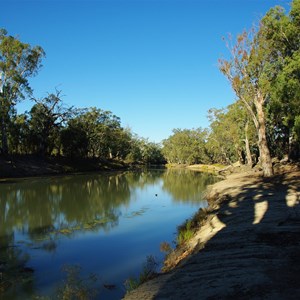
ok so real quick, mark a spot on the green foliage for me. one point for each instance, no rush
(187, 229)
(186, 146)
(18, 62)
(185, 233)
(102, 131)
(74, 141)
(231, 130)
(18, 134)
(132, 284)
(263, 69)
(144, 152)
(282, 33)
(297, 127)
(47, 118)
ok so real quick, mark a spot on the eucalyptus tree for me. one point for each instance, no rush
(249, 70)
(18, 62)
(146, 152)
(244, 134)
(152, 154)
(223, 144)
(118, 142)
(74, 140)
(103, 131)
(185, 146)
(47, 118)
(18, 134)
(232, 135)
(283, 36)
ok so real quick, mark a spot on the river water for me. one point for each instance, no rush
(94, 229)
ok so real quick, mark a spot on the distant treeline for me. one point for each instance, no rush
(263, 69)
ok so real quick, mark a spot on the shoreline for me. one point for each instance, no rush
(29, 166)
(246, 247)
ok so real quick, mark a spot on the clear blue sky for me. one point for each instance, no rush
(153, 63)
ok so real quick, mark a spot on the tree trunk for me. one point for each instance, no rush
(264, 152)
(240, 155)
(247, 147)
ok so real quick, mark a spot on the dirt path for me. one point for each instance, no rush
(248, 247)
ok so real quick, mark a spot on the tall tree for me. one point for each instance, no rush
(246, 138)
(283, 36)
(47, 117)
(248, 71)
(18, 62)
(186, 146)
(102, 129)
(18, 134)
(231, 135)
(74, 140)
(145, 152)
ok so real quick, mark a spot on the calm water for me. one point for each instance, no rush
(107, 224)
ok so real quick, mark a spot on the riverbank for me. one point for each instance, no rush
(247, 247)
(32, 165)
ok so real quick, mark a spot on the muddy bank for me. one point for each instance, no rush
(247, 247)
(31, 165)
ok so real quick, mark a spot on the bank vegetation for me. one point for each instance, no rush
(262, 66)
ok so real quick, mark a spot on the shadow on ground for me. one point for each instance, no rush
(254, 253)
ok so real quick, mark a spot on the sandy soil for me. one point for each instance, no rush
(247, 248)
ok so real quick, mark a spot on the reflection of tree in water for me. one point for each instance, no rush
(186, 185)
(25, 207)
(143, 178)
(97, 198)
(39, 206)
(15, 277)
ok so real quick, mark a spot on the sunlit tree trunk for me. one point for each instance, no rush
(246, 71)
(264, 153)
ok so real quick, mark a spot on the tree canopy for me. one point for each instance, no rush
(263, 68)
(18, 62)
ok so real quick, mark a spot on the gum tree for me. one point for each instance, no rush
(231, 134)
(47, 117)
(249, 71)
(283, 35)
(18, 62)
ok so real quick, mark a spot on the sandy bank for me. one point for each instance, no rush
(247, 248)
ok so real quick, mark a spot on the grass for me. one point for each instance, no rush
(185, 233)
(187, 230)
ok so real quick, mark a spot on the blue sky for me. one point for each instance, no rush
(153, 63)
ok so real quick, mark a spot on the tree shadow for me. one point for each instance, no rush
(254, 249)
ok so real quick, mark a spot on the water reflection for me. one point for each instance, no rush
(40, 206)
(15, 277)
(144, 178)
(35, 215)
(186, 185)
